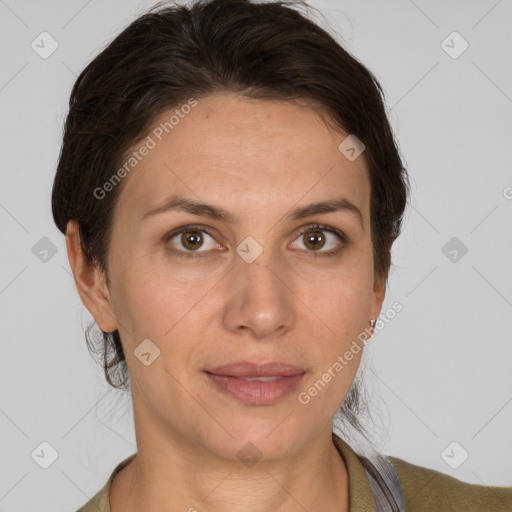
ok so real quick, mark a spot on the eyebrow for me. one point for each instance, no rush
(177, 202)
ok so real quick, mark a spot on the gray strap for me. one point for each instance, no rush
(384, 483)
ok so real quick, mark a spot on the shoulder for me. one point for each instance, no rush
(426, 490)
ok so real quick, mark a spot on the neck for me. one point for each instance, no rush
(179, 476)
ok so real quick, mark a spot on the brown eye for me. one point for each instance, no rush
(190, 240)
(315, 238)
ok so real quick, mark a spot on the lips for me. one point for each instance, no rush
(256, 384)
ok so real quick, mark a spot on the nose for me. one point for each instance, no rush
(260, 297)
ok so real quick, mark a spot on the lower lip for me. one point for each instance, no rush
(257, 392)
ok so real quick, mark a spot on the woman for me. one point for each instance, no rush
(230, 189)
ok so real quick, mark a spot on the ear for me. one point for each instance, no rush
(379, 292)
(89, 280)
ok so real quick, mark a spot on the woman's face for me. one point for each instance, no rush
(257, 285)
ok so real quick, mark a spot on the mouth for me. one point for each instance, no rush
(256, 384)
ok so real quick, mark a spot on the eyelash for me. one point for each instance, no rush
(313, 254)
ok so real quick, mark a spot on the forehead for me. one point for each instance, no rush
(245, 153)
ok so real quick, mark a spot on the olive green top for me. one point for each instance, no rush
(425, 490)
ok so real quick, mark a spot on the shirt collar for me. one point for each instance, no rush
(360, 493)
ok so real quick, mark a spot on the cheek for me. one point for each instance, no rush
(338, 317)
(342, 297)
(155, 301)
(337, 345)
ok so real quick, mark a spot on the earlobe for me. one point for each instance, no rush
(89, 281)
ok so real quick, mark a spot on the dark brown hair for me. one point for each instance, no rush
(172, 53)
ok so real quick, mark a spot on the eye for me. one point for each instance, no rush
(316, 237)
(189, 240)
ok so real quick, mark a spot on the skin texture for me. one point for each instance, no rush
(257, 159)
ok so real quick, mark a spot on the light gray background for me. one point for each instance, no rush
(441, 368)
